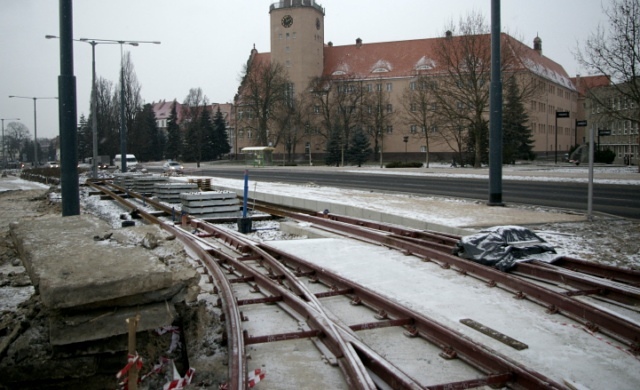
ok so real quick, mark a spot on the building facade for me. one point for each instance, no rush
(391, 70)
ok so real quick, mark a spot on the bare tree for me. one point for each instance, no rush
(263, 90)
(108, 117)
(16, 135)
(193, 107)
(380, 118)
(614, 51)
(339, 103)
(132, 97)
(420, 107)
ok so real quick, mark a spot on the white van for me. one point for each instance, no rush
(132, 162)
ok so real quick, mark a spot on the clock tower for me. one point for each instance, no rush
(297, 39)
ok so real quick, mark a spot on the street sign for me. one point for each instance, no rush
(581, 123)
(602, 132)
(562, 114)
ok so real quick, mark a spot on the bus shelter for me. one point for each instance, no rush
(258, 156)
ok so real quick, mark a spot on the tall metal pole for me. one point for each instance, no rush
(70, 188)
(35, 135)
(495, 107)
(123, 126)
(94, 111)
(35, 124)
(590, 184)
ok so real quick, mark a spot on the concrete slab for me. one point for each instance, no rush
(98, 325)
(70, 268)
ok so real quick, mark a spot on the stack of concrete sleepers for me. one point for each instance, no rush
(210, 204)
(170, 192)
(126, 180)
(145, 184)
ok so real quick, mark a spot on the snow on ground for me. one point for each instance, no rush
(602, 367)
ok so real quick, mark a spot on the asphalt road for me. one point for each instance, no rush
(618, 200)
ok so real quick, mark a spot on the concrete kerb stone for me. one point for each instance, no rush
(70, 268)
(350, 211)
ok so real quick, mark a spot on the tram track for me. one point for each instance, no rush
(282, 279)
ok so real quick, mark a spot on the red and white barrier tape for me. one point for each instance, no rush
(254, 377)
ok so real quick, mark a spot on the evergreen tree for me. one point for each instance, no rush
(360, 148)
(207, 138)
(517, 138)
(144, 139)
(334, 147)
(483, 143)
(220, 139)
(173, 147)
(85, 138)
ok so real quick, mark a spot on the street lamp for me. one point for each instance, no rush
(35, 124)
(94, 104)
(4, 155)
(123, 129)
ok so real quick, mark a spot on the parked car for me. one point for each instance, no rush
(171, 167)
(52, 164)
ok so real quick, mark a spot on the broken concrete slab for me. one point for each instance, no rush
(102, 324)
(70, 268)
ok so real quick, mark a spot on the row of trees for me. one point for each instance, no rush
(18, 144)
(198, 137)
(447, 107)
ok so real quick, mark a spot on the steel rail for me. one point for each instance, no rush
(235, 341)
(315, 309)
(585, 283)
(453, 343)
(592, 317)
(380, 366)
(623, 275)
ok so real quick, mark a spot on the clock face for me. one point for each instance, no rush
(287, 21)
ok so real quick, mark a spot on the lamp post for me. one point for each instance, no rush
(123, 127)
(35, 124)
(4, 154)
(94, 100)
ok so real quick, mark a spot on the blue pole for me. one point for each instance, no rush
(246, 194)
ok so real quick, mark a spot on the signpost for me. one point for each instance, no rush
(602, 132)
(582, 123)
(559, 114)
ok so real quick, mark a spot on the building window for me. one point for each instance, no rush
(412, 85)
(423, 149)
(379, 87)
(369, 88)
(413, 107)
(294, 35)
(389, 108)
(389, 87)
(414, 129)
(280, 36)
(316, 109)
(389, 129)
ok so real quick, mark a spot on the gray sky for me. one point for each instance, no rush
(206, 42)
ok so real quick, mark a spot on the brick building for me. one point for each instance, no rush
(393, 68)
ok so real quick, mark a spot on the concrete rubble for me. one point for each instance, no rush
(88, 279)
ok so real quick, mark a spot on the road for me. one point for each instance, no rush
(618, 200)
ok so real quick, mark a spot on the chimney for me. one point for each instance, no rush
(537, 45)
(330, 44)
(358, 42)
(448, 34)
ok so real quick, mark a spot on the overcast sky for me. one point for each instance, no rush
(206, 42)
